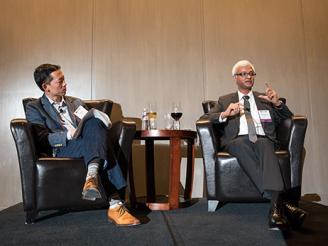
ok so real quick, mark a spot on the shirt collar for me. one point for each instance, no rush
(60, 104)
(250, 94)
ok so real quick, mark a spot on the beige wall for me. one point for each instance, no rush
(141, 51)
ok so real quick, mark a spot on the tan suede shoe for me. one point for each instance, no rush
(120, 216)
(90, 189)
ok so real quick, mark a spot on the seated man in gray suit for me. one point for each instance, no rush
(54, 119)
(248, 121)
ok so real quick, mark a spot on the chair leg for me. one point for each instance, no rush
(30, 217)
(212, 205)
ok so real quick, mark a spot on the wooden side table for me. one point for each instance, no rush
(175, 137)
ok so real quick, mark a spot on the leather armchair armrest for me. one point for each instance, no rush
(291, 134)
(27, 156)
(121, 136)
(296, 149)
(126, 137)
(209, 148)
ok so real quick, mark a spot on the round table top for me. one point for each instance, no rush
(165, 134)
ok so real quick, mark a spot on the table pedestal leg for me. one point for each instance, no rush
(190, 169)
(150, 174)
(174, 183)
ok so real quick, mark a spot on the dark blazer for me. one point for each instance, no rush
(230, 129)
(46, 122)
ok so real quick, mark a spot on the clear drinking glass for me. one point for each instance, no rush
(168, 121)
(176, 114)
(152, 116)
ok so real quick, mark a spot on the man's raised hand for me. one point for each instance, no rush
(271, 95)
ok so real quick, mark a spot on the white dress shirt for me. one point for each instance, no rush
(243, 129)
(65, 117)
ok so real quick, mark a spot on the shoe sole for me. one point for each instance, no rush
(122, 225)
(274, 229)
(279, 227)
(91, 194)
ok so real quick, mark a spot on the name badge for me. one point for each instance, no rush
(265, 116)
(80, 112)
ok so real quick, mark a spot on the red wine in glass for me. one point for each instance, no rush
(176, 115)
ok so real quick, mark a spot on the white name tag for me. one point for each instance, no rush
(80, 112)
(265, 116)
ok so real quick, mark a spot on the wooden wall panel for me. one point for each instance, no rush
(263, 32)
(34, 32)
(149, 51)
(316, 39)
(141, 51)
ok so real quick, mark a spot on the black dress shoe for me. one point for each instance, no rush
(276, 219)
(295, 215)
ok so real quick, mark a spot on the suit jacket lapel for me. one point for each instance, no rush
(71, 109)
(234, 97)
(50, 109)
(264, 105)
(236, 120)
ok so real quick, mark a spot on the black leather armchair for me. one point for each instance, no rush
(50, 183)
(225, 179)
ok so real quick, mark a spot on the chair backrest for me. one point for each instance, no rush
(112, 109)
(283, 130)
(207, 105)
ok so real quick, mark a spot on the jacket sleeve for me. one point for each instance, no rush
(44, 128)
(281, 113)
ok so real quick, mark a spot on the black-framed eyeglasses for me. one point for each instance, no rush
(245, 75)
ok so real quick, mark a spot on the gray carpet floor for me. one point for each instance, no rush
(232, 224)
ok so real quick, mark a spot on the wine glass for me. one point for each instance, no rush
(168, 121)
(176, 114)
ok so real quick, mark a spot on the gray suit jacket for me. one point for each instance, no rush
(230, 129)
(46, 122)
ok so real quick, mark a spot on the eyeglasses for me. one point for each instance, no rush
(245, 75)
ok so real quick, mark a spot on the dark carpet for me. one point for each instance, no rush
(232, 224)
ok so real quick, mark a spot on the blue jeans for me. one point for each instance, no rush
(93, 145)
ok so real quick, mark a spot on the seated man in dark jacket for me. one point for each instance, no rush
(248, 121)
(55, 118)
